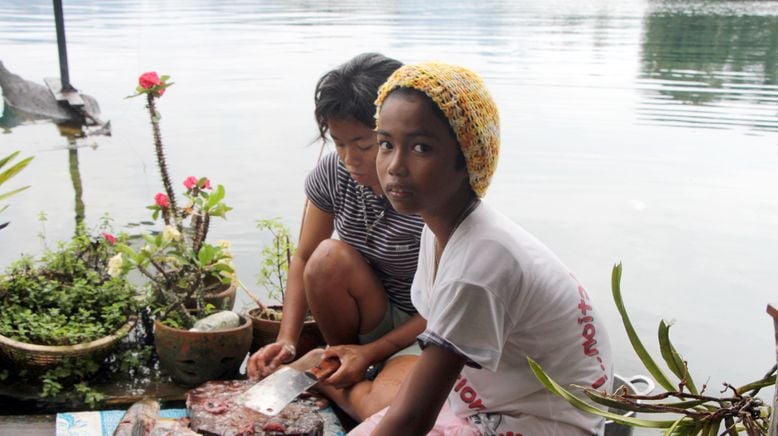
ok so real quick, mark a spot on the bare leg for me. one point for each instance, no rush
(368, 397)
(343, 292)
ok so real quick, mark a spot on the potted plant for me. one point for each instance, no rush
(276, 257)
(187, 277)
(64, 313)
(685, 408)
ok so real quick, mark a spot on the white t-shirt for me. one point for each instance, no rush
(501, 295)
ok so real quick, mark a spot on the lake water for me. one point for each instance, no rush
(642, 132)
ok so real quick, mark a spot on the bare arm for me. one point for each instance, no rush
(400, 337)
(417, 405)
(318, 225)
(356, 358)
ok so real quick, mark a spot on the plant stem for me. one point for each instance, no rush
(277, 241)
(162, 163)
(200, 224)
(251, 295)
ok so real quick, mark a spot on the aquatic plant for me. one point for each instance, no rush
(177, 261)
(694, 411)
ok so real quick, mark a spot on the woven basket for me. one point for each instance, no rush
(42, 357)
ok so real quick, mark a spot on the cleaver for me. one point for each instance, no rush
(271, 394)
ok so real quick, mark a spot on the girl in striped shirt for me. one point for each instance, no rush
(357, 286)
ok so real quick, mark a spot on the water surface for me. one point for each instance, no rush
(633, 131)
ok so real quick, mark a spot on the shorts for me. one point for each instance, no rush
(392, 318)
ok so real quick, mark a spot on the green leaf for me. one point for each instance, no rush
(215, 197)
(610, 402)
(710, 428)
(759, 384)
(675, 425)
(8, 158)
(15, 191)
(580, 404)
(10, 172)
(672, 358)
(640, 350)
(223, 267)
(205, 256)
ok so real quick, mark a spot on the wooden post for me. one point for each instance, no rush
(773, 311)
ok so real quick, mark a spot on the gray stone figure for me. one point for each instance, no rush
(27, 101)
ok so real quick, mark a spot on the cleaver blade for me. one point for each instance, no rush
(271, 394)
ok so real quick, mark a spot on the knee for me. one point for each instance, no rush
(328, 262)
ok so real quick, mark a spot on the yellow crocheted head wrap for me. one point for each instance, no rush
(463, 98)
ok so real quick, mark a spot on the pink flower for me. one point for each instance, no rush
(149, 80)
(190, 182)
(110, 238)
(161, 200)
(207, 184)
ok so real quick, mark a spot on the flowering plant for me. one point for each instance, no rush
(74, 293)
(181, 267)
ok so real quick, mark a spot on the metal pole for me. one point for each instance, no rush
(62, 47)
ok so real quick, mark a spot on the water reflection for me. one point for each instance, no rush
(634, 130)
(75, 178)
(723, 64)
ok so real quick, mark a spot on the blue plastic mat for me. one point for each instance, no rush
(103, 423)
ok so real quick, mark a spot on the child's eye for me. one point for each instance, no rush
(365, 147)
(420, 148)
(384, 145)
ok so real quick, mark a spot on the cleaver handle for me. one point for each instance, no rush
(324, 369)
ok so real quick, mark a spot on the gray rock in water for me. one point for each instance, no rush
(27, 101)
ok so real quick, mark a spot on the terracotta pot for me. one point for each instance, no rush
(192, 358)
(224, 299)
(266, 332)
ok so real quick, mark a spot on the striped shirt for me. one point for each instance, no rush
(388, 240)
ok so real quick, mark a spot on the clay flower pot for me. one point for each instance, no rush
(266, 332)
(192, 358)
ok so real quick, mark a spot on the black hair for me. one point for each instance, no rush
(349, 91)
(460, 162)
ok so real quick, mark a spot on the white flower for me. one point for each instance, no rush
(115, 265)
(224, 245)
(170, 233)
